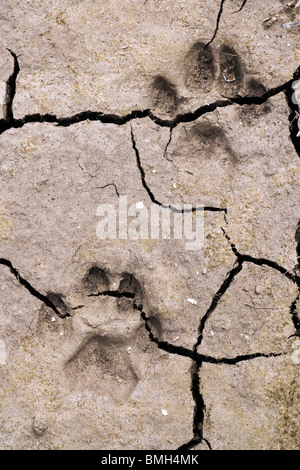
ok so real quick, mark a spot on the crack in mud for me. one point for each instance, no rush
(151, 195)
(242, 6)
(49, 300)
(262, 262)
(106, 186)
(264, 97)
(230, 276)
(54, 301)
(192, 353)
(294, 315)
(11, 86)
(9, 122)
(198, 359)
(112, 118)
(217, 23)
(292, 276)
(114, 293)
(199, 411)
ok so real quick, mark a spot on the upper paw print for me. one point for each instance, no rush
(237, 156)
(206, 70)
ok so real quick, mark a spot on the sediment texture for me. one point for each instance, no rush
(142, 343)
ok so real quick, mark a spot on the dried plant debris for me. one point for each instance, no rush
(291, 8)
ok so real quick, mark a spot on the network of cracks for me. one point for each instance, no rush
(96, 356)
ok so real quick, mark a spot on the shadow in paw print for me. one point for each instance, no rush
(200, 68)
(95, 280)
(155, 327)
(129, 284)
(249, 113)
(231, 70)
(211, 142)
(57, 301)
(164, 96)
(102, 364)
(206, 160)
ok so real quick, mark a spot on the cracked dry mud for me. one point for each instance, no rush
(143, 344)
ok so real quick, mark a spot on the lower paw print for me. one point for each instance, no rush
(108, 352)
(102, 364)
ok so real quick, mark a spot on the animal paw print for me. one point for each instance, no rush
(102, 363)
(208, 69)
(107, 357)
(203, 70)
(164, 96)
(213, 141)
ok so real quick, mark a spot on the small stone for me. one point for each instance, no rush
(257, 289)
(2, 91)
(39, 425)
(2, 352)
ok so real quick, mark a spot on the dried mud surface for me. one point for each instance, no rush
(140, 343)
